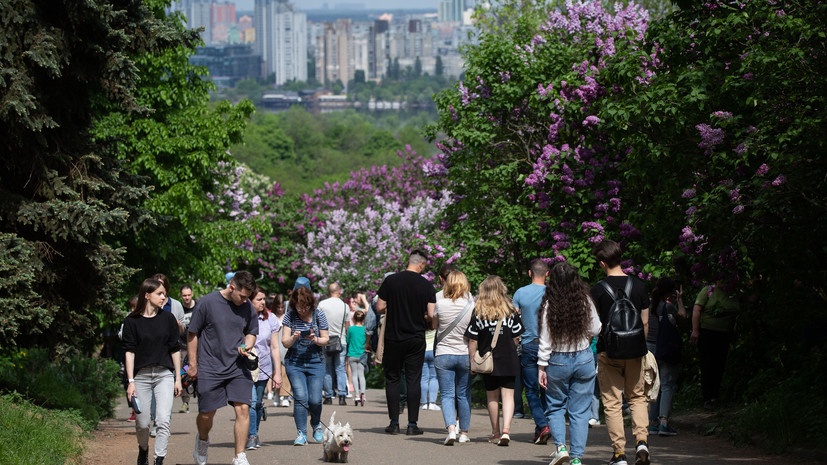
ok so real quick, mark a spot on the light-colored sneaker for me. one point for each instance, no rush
(594, 422)
(154, 431)
(285, 402)
(318, 434)
(269, 396)
(561, 456)
(301, 439)
(433, 406)
(423, 406)
(464, 438)
(200, 451)
(452, 437)
(241, 459)
(576, 461)
(185, 408)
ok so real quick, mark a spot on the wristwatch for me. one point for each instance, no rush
(130, 380)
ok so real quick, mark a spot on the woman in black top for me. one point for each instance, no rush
(494, 305)
(153, 366)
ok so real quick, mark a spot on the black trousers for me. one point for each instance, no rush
(409, 354)
(713, 347)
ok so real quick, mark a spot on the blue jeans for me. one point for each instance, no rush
(454, 375)
(668, 374)
(595, 413)
(306, 378)
(536, 396)
(570, 384)
(429, 383)
(335, 365)
(256, 405)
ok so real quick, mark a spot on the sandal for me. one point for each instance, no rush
(494, 438)
(504, 439)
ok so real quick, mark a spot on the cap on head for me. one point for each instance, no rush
(229, 276)
(301, 281)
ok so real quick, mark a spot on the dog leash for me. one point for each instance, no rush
(261, 370)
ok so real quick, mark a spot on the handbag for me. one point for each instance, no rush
(453, 325)
(334, 343)
(484, 364)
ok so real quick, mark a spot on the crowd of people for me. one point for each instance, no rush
(569, 346)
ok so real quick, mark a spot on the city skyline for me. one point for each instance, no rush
(248, 5)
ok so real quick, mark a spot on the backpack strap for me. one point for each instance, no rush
(609, 290)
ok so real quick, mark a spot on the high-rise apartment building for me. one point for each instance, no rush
(198, 14)
(451, 10)
(281, 39)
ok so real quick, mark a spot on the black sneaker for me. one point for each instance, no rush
(413, 430)
(393, 428)
(143, 456)
(327, 401)
(159, 461)
(618, 459)
(641, 453)
(342, 400)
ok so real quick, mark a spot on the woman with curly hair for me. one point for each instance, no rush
(568, 321)
(492, 309)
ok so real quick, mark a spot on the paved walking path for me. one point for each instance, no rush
(114, 442)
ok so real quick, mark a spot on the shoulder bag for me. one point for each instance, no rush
(484, 364)
(334, 343)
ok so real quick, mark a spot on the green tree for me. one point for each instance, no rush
(64, 196)
(417, 69)
(439, 67)
(359, 76)
(178, 147)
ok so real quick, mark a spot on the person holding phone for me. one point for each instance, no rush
(153, 366)
(305, 335)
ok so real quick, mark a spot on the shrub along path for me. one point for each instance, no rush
(114, 441)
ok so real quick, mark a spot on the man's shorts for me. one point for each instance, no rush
(214, 393)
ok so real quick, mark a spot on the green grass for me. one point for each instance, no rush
(31, 435)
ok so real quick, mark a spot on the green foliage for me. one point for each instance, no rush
(62, 194)
(89, 386)
(302, 151)
(177, 147)
(32, 435)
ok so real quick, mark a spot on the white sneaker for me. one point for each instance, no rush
(452, 437)
(241, 459)
(200, 452)
(423, 406)
(594, 422)
(561, 456)
(269, 396)
(285, 402)
(433, 406)
(464, 438)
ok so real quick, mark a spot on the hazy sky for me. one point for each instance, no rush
(377, 4)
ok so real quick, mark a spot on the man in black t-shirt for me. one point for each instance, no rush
(408, 299)
(617, 376)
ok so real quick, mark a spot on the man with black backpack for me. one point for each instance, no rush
(623, 305)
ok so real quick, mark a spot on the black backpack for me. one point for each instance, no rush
(668, 346)
(623, 335)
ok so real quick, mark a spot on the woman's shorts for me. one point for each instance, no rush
(492, 383)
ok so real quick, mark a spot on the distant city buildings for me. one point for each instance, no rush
(289, 47)
(281, 40)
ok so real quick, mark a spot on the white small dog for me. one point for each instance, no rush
(337, 441)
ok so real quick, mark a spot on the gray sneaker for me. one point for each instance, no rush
(154, 431)
(251, 443)
(258, 442)
(200, 451)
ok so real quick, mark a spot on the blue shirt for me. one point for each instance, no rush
(528, 299)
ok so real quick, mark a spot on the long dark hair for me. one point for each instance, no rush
(664, 287)
(149, 286)
(566, 302)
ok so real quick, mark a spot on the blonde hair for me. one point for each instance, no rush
(493, 304)
(456, 286)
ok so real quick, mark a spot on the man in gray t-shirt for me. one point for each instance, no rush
(337, 312)
(221, 333)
